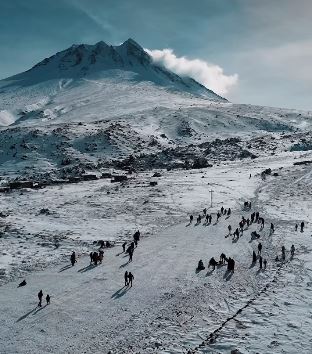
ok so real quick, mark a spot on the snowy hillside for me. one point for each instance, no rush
(97, 142)
(89, 74)
(93, 107)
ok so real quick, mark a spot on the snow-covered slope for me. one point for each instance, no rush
(94, 106)
(90, 74)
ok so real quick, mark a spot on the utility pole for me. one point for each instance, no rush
(211, 191)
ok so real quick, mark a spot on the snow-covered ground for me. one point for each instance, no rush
(171, 308)
(95, 109)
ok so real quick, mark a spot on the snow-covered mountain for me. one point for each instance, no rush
(90, 113)
(125, 72)
(81, 61)
(94, 106)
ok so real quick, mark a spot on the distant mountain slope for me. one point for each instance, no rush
(101, 72)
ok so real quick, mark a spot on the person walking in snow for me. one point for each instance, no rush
(283, 253)
(296, 227)
(124, 247)
(232, 265)
(40, 296)
(48, 299)
(205, 211)
(91, 257)
(259, 248)
(101, 256)
(126, 278)
(73, 258)
(260, 262)
(200, 265)
(229, 212)
(130, 278)
(222, 209)
(131, 250)
(230, 229)
(265, 263)
(191, 218)
(272, 229)
(301, 226)
(292, 250)
(212, 263)
(136, 237)
(95, 258)
(222, 258)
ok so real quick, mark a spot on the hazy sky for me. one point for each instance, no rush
(256, 51)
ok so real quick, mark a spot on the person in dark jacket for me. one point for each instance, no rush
(40, 296)
(126, 278)
(130, 277)
(200, 265)
(212, 263)
(260, 262)
(48, 299)
(73, 259)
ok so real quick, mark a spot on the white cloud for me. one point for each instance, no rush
(209, 75)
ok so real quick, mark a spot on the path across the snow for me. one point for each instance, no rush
(169, 307)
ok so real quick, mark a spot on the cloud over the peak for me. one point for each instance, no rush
(209, 75)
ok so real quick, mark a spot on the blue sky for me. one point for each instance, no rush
(267, 43)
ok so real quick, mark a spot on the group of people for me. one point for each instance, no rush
(130, 249)
(40, 297)
(208, 217)
(128, 279)
(283, 257)
(301, 226)
(213, 263)
(97, 257)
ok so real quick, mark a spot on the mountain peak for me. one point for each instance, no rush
(132, 42)
(100, 59)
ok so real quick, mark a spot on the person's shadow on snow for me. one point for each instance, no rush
(124, 265)
(26, 315)
(189, 224)
(120, 292)
(252, 265)
(209, 273)
(87, 268)
(228, 275)
(39, 309)
(65, 267)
